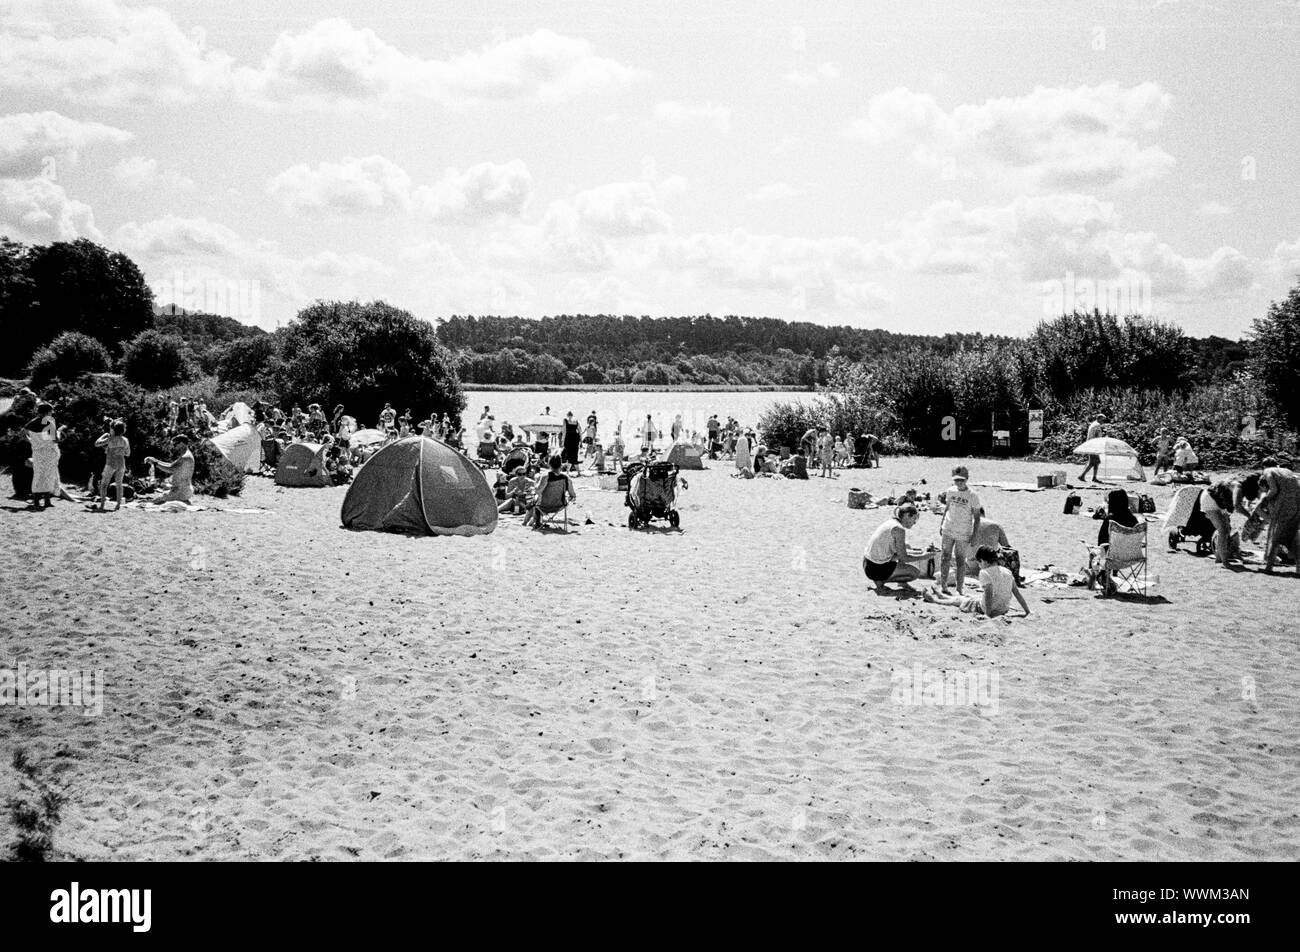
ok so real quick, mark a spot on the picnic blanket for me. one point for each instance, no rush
(1013, 487)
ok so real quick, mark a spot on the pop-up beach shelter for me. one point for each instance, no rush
(421, 486)
(686, 456)
(302, 464)
(242, 446)
(1118, 459)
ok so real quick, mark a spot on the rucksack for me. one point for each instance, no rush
(1072, 503)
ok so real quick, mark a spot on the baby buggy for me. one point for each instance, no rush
(652, 494)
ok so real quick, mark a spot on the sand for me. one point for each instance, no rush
(278, 688)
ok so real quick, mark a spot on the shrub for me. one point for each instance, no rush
(67, 357)
(249, 361)
(363, 355)
(213, 473)
(81, 407)
(155, 360)
(1275, 355)
(783, 424)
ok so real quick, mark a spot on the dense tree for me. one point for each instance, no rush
(1275, 355)
(363, 355)
(156, 361)
(248, 361)
(81, 286)
(66, 358)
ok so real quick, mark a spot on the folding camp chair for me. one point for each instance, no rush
(1125, 557)
(553, 501)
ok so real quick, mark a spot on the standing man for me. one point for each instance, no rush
(1094, 459)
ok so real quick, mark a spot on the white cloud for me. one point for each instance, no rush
(825, 73)
(480, 192)
(349, 186)
(677, 113)
(1215, 208)
(38, 209)
(621, 209)
(334, 62)
(110, 53)
(29, 140)
(779, 192)
(1051, 138)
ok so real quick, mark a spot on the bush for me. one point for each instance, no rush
(156, 361)
(1275, 355)
(213, 473)
(363, 355)
(80, 408)
(249, 361)
(783, 424)
(66, 358)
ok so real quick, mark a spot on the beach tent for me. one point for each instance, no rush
(1118, 459)
(242, 445)
(302, 464)
(237, 414)
(367, 437)
(686, 456)
(421, 486)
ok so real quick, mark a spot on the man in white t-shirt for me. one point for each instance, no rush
(961, 520)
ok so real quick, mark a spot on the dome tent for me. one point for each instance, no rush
(302, 464)
(242, 446)
(686, 456)
(422, 486)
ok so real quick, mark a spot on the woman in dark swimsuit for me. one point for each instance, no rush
(572, 440)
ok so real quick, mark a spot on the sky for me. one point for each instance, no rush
(924, 167)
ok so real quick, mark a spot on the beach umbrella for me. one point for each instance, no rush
(544, 423)
(1105, 446)
(367, 437)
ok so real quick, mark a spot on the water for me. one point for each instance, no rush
(614, 407)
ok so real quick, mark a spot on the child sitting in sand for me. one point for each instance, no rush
(519, 488)
(116, 449)
(999, 587)
(961, 521)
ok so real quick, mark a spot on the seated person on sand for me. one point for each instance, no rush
(519, 491)
(796, 467)
(886, 558)
(536, 511)
(999, 586)
(988, 533)
(181, 470)
(1118, 511)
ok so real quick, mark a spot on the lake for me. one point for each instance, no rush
(628, 407)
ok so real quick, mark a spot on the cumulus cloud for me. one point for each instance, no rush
(622, 208)
(825, 73)
(1051, 138)
(709, 113)
(110, 53)
(39, 210)
(28, 140)
(349, 186)
(354, 186)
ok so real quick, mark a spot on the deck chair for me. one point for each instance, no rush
(1125, 557)
(554, 501)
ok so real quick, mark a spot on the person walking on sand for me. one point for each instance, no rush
(43, 435)
(961, 521)
(181, 470)
(116, 449)
(1095, 429)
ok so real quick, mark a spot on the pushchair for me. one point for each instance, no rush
(652, 494)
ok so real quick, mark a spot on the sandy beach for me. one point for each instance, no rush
(278, 688)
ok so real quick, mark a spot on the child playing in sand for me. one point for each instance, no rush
(116, 449)
(999, 587)
(961, 520)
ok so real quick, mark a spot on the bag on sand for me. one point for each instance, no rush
(1010, 559)
(1146, 503)
(1072, 503)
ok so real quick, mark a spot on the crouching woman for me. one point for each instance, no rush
(886, 558)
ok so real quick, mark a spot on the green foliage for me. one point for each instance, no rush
(214, 475)
(67, 357)
(363, 355)
(81, 407)
(208, 336)
(1275, 355)
(784, 424)
(72, 286)
(248, 361)
(155, 360)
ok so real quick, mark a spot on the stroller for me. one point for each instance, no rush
(652, 494)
